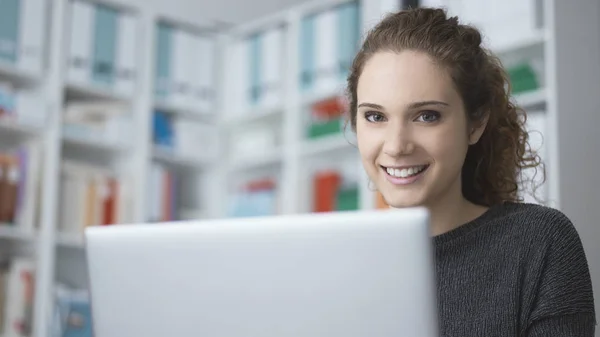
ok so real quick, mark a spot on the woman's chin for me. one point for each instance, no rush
(402, 201)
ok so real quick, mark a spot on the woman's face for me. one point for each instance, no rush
(412, 129)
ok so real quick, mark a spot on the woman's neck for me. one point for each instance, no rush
(451, 212)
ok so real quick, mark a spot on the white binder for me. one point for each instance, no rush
(80, 44)
(272, 68)
(204, 84)
(32, 26)
(126, 54)
(325, 60)
(179, 86)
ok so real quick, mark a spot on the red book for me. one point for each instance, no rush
(326, 185)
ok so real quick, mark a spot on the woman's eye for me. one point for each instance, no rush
(429, 116)
(374, 117)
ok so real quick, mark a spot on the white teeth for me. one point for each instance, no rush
(405, 172)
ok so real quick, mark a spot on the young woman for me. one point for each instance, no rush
(435, 127)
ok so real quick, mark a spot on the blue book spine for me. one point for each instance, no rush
(9, 30)
(105, 45)
(307, 52)
(164, 43)
(163, 132)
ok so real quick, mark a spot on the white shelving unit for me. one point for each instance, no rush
(566, 100)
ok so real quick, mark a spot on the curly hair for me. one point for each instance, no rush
(493, 167)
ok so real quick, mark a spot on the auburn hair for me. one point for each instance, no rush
(492, 170)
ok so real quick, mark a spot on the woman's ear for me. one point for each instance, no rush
(477, 130)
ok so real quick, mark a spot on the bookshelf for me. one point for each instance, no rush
(251, 128)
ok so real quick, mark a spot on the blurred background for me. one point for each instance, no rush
(131, 111)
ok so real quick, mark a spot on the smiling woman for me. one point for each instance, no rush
(435, 128)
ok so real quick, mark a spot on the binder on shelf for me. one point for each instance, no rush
(82, 19)
(9, 30)
(31, 35)
(272, 67)
(348, 37)
(104, 46)
(180, 80)
(255, 49)
(163, 195)
(203, 80)
(126, 71)
(307, 52)
(326, 63)
(328, 43)
(164, 45)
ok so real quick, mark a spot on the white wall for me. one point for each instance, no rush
(577, 62)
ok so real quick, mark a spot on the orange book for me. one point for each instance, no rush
(4, 190)
(326, 185)
(12, 187)
(167, 213)
(109, 204)
(328, 109)
(90, 203)
(260, 185)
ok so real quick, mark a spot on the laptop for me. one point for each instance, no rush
(346, 274)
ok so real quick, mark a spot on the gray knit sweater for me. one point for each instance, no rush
(518, 270)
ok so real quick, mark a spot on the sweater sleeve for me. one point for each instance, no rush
(564, 302)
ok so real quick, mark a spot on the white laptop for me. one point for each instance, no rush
(349, 274)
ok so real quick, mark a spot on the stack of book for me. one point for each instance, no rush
(17, 283)
(91, 196)
(19, 185)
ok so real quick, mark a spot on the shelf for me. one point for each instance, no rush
(325, 145)
(18, 77)
(532, 99)
(255, 116)
(94, 145)
(14, 129)
(70, 240)
(535, 40)
(258, 160)
(10, 232)
(89, 92)
(173, 159)
(315, 96)
(182, 111)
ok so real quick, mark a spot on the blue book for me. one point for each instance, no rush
(162, 130)
(105, 45)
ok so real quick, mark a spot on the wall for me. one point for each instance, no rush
(577, 61)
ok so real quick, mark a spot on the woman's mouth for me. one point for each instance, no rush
(404, 175)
